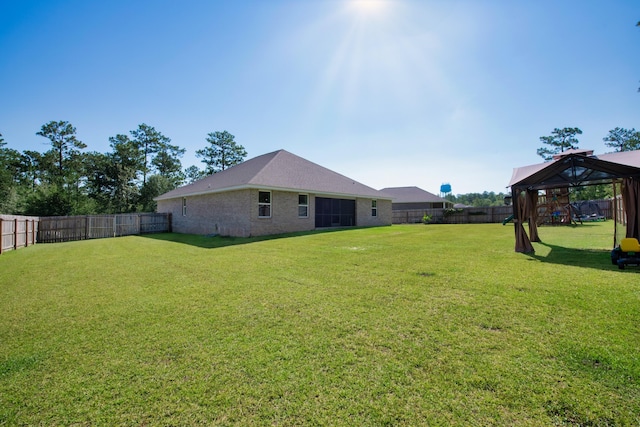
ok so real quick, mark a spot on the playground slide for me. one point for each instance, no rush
(507, 219)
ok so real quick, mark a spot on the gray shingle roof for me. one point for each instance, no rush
(411, 195)
(279, 170)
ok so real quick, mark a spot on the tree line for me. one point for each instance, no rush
(484, 199)
(67, 180)
(564, 139)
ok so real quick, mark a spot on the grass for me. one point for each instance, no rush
(402, 325)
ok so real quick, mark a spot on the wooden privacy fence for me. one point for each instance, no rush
(17, 232)
(454, 216)
(619, 208)
(490, 214)
(67, 228)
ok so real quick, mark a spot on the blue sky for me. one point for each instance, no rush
(389, 93)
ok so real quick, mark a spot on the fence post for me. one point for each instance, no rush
(15, 234)
(1, 237)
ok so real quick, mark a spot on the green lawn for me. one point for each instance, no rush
(402, 325)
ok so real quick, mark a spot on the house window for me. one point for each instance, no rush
(264, 204)
(184, 206)
(374, 208)
(303, 205)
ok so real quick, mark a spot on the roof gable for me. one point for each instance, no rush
(277, 170)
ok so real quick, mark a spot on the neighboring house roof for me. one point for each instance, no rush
(279, 170)
(577, 167)
(412, 195)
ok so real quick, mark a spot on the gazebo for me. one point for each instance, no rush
(574, 168)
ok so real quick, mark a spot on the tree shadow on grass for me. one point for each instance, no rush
(599, 259)
(212, 242)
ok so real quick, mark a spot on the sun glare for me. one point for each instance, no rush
(374, 55)
(369, 6)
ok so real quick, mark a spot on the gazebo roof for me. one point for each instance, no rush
(577, 168)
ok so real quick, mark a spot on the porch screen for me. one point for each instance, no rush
(335, 212)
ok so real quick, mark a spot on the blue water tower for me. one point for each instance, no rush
(445, 189)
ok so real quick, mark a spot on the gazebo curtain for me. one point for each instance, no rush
(631, 200)
(523, 244)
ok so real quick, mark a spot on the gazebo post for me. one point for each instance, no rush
(523, 244)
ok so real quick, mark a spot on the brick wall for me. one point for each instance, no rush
(363, 213)
(284, 214)
(218, 213)
(235, 213)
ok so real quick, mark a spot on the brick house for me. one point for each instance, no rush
(277, 192)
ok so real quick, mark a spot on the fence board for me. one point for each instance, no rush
(476, 215)
(64, 229)
(17, 232)
(471, 215)
(154, 223)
